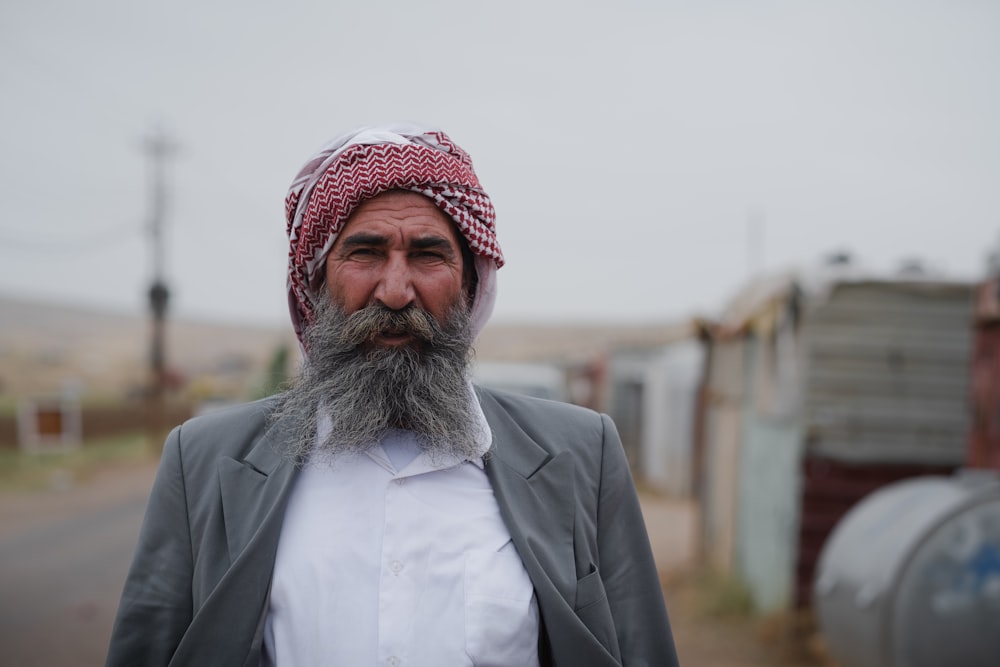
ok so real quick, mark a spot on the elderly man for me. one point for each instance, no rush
(384, 511)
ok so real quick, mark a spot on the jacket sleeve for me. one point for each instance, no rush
(627, 567)
(156, 604)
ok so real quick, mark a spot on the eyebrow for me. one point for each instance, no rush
(364, 239)
(432, 243)
(369, 239)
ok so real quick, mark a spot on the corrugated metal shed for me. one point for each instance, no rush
(888, 372)
(867, 375)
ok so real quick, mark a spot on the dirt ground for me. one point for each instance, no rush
(706, 634)
(703, 639)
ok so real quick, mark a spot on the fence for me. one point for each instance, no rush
(104, 421)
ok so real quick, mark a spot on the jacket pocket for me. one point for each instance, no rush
(593, 609)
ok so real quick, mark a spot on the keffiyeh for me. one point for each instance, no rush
(365, 163)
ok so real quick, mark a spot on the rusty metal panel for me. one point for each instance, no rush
(988, 302)
(829, 489)
(888, 369)
(984, 434)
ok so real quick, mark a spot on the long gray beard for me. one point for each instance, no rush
(367, 390)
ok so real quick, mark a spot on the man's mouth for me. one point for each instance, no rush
(393, 337)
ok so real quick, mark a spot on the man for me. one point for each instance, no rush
(383, 511)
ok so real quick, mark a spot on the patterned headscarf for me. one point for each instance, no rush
(367, 162)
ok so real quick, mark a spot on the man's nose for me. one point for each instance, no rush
(395, 289)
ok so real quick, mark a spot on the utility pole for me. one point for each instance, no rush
(158, 147)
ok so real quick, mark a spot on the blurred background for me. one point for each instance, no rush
(764, 237)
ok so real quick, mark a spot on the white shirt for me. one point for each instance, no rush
(392, 559)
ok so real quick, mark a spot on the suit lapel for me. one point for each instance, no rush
(253, 494)
(534, 490)
(537, 496)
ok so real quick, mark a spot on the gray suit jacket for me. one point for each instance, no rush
(198, 587)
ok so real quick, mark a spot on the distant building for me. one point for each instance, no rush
(652, 394)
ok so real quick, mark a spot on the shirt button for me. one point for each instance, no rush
(393, 661)
(400, 481)
(396, 567)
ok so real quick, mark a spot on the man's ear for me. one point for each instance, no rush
(470, 278)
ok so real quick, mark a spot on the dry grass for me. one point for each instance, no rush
(722, 597)
(20, 471)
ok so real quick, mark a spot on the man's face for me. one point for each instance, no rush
(397, 249)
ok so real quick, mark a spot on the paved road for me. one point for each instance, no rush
(63, 559)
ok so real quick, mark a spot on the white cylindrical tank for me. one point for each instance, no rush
(910, 577)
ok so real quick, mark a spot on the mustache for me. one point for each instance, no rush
(365, 391)
(365, 324)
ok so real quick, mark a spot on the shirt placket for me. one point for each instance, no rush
(398, 578)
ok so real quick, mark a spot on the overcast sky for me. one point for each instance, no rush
(627, 145)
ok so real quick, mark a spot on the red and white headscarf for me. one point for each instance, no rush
(367, 162)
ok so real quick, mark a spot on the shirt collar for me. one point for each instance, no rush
(484, 436)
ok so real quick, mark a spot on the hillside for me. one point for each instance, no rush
(45, 347)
